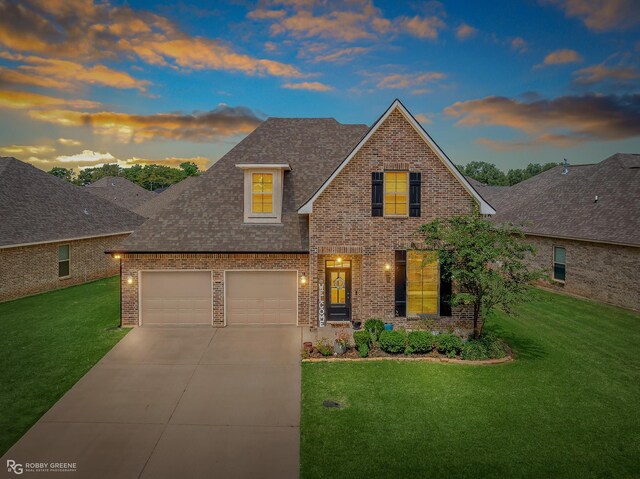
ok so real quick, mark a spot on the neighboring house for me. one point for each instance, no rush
(585, 223)
(161, 200)
(305, 221)
(52, 233)
(122, 192)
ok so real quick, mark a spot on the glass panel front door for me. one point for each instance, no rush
(338, 291)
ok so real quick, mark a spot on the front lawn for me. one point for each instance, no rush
(47, 343)
(567, 407)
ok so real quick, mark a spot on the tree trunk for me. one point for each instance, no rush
(476, 316)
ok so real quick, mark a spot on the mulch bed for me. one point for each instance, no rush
(379, 355)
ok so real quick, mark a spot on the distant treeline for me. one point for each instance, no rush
(150, 177)
(490, 174)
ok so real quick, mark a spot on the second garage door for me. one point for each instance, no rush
(176, 297)
(261, 297)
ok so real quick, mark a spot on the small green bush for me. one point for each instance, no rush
(323, 347)
(362, 338)
(474, 350)
(374, 327)
(449, 344)
(393, 342)
(363, 350)
(494, 346)
(420, 342)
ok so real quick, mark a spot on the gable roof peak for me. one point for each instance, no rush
(485, 208)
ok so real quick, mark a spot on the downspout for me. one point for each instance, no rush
(120, 281)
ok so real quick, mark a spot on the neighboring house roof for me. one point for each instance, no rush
(37, 207)
(565, 206)
(208, 216)
(159, 201)
(485, 208)
(122, 192)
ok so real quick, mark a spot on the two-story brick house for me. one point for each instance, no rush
(306, 221)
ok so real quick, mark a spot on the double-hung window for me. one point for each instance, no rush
(64, 261)
(422, 283)
(262, 193)
(559, 263)
(396, 193)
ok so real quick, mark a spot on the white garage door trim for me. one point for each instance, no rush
(171, 271)
(224, 293)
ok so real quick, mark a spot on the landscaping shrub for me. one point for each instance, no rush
(474, 350)
(374, 327)
(363, 350)
(449, 344)
(393, 342)
(324, 347)
(362, 338)
(494, 346)
(420, 342)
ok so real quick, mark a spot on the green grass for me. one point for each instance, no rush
(568, 407)
(47, 343)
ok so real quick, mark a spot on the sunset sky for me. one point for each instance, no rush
(510, 82)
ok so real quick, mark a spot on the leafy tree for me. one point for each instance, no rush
(486, 173)
(486, 262)
(189, 168)
(532, 169)
(62, 173)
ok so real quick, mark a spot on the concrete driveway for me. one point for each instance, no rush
(179, 402)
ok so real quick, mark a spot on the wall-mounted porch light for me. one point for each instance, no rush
(387, 272)
(303, 278)
(129, 279)
(116, 256)
(338, 260)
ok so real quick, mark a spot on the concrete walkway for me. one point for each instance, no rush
(179, 402)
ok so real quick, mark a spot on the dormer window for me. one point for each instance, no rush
(263, 189)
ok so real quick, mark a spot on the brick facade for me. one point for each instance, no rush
(27, 270)
(604, 272)
(132, 264)
(341, 221)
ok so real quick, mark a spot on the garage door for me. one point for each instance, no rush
(176, 297)
(261, 297)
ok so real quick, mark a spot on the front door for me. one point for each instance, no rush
(338, 289)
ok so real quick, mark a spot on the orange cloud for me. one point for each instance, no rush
(422, 118)
(64, 74)
(406, 80)
(587, 117)
(69, 142)
(340, 56)
(465, 31)
(601, 73)
(86, 31)
(22, 100)
(601, 15)
(19, 150)
(422, 27)
(561, 57)
(556, 140)
(519, 45)
(224, 121)
(314, 85)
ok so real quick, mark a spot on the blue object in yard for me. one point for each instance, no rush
(388, 326)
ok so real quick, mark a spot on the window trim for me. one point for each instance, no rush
(277, 172)
(554, 262)
(384, 193)
(68, 260)
(407, 313)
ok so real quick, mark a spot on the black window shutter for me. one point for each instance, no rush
(445, 291)
(377, 185)
(401, 283)
(414, 193)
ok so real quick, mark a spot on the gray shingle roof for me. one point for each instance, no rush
(38, 207)
(553, 204)
(161, 200)
(208, 217)
(122, 192)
